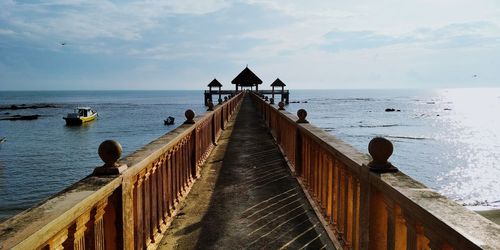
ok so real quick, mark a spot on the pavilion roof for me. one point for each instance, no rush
(214, 83)
(246, 78)
(278, 83)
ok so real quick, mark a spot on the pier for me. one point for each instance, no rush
(247, 174)
(258, 175)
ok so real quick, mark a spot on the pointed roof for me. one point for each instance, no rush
(278, 83)
(214, 83)
(246, 78)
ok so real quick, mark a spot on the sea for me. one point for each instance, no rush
(448, 139)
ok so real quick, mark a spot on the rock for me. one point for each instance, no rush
(21, 117)
(447, 109)
(389, 110)
(24, 106)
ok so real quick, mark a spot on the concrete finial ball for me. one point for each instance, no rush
(110, 151)
(271, 100)
(210, 107)
(281, 105)
(302, 114)
(189, 116)
(380, 149)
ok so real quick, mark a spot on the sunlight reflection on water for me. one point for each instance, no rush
(447, 139)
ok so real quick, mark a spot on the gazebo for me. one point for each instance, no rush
(278, 83)
(214, 83)
(247, 78)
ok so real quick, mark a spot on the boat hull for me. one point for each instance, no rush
(79, 120)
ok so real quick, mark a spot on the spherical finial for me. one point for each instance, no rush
(281, 106)
(381, 149)
(189, 116)
(271, 101)
(266, 98)
(110, 151)
(302, 114)
(225, 98)
(210, 107)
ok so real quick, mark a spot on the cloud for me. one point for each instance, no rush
(7, 32)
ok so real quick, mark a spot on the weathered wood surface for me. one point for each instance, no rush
(366, 210)
(246, 197)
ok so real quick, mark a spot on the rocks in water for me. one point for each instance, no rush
(24, 106)
(392, 110)
(20, 117)
(447, 109)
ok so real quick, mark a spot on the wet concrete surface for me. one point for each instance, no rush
(246, 197)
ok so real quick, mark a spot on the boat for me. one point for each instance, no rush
(169, 121)
(2, 139)
(80, 115)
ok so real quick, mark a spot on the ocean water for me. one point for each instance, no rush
(42, 157)
(446, 139)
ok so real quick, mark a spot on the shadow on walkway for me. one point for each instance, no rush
(246, 197)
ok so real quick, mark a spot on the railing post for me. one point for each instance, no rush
(110, 151)
(302, 114)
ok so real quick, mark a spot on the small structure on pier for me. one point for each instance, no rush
(216, 84)
(247, 78)
(279, 83)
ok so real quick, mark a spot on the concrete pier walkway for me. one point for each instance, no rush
(246, 197)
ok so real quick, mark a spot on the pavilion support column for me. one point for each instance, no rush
(220, 96)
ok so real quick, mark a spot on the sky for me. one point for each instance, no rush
(184, 44)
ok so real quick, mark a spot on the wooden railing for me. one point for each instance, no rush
(120, 207)
(371, 205)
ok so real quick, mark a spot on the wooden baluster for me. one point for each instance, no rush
(391, 224)
(364, 208)
(175, 176)
(422, 241)
(171, 181)
(356, 214)
(147, 207)
(341, 201)
(349, 218)
(162, 195)
(329, 189)
(378, 221)
(411, 233)
(79, 235)
(336, 200)
(400, 233)
(345, 204)
(138, 211)
(154, 205)
(435, 242)
(99, 233)
(324, 185)
(56, 242)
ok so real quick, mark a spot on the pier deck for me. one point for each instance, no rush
(246, 197)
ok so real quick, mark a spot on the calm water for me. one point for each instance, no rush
(447, 139)
(44, 156)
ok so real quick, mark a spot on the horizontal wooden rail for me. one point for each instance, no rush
(119, 207)
(363, 207)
